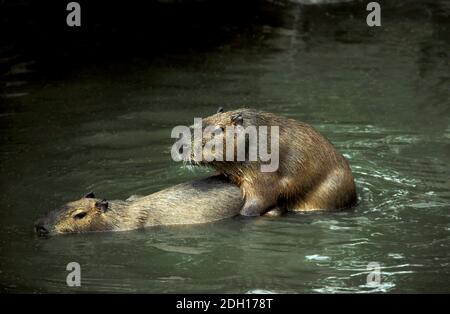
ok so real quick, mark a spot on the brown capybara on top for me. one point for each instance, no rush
(311, 173)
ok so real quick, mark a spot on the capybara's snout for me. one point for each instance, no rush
(41, 226)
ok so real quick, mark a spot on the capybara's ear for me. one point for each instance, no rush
(102, 205)
(220, 110)
(90, 195)
(237, 119)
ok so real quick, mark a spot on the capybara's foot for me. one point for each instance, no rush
(253, 207)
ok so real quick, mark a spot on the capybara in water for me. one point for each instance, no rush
(311, 173)
(199, 201)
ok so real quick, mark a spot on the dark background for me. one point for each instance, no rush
(91, 108)
(112, 30)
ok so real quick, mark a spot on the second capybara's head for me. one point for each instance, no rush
(84, 215)
(217, 132)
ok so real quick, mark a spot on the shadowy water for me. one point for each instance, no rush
(379, 94)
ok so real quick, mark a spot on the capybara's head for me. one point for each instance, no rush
(217, 131)
(84, 215)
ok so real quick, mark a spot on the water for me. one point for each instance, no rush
(380, 95)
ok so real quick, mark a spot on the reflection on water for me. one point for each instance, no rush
(380, 95)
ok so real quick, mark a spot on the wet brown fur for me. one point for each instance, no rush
(312, 174)
(199, 201)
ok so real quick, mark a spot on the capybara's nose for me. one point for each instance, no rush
(41, 228)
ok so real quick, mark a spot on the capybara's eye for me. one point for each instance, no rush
(80, 215)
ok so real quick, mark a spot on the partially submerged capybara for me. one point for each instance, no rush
(311, 173)
(199, 201)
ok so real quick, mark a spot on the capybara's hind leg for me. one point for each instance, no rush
(336, 191)
(253, 207)
(257, 200)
